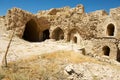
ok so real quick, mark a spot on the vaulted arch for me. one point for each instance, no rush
(58, 34)
(31, 33)
(74, 36)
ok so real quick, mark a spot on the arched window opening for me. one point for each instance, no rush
(106, 50)
(110, 30)
(31, 33)
(46, 34)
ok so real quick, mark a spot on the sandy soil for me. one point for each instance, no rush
(22, 49)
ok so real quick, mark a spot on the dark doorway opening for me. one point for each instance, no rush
(118, 54)
(75, 39)
(46, 34)
(31, 33)
(58, 34)
(106, 50)
(110, 30)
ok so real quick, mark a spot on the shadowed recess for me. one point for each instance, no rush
(31, 33)
(58, 34)
(46, 34)
(110, 30)
(106, 50)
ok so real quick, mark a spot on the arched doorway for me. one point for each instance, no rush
(74, 36)
(31, 33)
(58, 34)
(46, 34)
(106, 50)
(110, 30)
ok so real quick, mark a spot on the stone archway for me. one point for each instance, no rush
(106, 50)
(74, 36)
(58, 34)
(46, 34)
(31, 32)
(110, 30)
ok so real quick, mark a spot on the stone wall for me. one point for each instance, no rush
(76, 18)
(17, 20)
(99, 30)
(105, 47)
(112, 19)
(89, 25)
(115, 13)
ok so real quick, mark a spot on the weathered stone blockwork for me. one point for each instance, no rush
(112, 19)
(18, 20)
(106, 46)
(72, 25)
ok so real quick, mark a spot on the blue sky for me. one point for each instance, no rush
(35, 5)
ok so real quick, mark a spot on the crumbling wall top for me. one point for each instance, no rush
(115, 11)
(78, 9)
(99, 13)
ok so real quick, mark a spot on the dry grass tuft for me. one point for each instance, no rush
(70, 56)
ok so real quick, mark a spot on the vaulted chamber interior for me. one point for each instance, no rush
(110, 30)
(58, 34)
(31, 32)
(46, 34)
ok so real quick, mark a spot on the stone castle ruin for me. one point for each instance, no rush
(99, 29)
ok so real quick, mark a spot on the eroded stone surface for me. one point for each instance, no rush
(98, 32)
